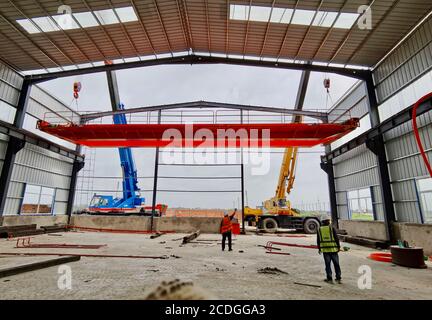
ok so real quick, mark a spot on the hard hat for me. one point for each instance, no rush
(225, 213)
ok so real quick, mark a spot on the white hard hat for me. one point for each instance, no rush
(225, 213)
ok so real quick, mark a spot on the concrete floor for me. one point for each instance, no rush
(227, 275)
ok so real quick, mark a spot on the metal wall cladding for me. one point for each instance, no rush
(35, 165)
(10, 84)
(403, 156)
(407, 212)
(356, 169)
(352, 105)
(44, 106)
(40, 166)
(3, 146)
(406, 165)
(407, 63)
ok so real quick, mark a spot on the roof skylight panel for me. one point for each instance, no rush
(86, 19)
(326, 19)
(76, 20)
(106, 16)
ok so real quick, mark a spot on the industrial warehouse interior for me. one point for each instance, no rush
(227, 150)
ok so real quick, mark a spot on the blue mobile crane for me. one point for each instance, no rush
(131, 201)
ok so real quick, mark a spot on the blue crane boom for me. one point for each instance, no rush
(131, 199)
(130, 180)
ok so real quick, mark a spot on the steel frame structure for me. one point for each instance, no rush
(195, 59)
(365, 75)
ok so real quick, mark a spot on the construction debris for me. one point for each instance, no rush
(269, 270)
(6, 230)
(292, 235)
(88, 229)
(156, 235)
(38, 265)
(178, 290)
(29, 230)
(80, 255)
(20, 230)
(284, 253)
(371, 243)
(270, 244)
(260, 245)
(307, 284)
(25, 243)
(55, 228)
(191, 237)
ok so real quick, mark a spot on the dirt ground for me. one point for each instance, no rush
(226, 275)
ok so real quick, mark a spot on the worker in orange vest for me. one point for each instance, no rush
(226, 229)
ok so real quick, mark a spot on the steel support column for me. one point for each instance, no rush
(113, 90)
(14, 144)
(155, 178)
(328, 168)
(21, 108)
(242, 182)
(377, 146)
(76, 167)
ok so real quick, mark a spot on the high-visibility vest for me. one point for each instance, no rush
(327, 241)
(226, 225)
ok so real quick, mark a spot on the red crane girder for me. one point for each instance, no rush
(253, 135)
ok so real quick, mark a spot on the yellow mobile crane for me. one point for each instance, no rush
(276, 212)
(279, 204)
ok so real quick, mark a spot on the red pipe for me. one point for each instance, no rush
(81, 255)
(118, 230)
(381, 256)
(270, 243)
(417, 135)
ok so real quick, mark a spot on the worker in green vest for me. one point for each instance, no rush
(328, 244)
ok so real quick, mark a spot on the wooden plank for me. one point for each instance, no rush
(37, 265)
(191, 237)
(156, 235)
(21, 233)
(18, 228)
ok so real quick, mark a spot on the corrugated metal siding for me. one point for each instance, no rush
(405, 165)
(408, 62)
(356, 169)
(38, 166)
(44, 106)
(353, 104)
(10, 84)
(34, 165)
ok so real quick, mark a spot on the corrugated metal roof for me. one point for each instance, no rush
(170, 26)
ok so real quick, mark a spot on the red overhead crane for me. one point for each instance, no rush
(252, 135)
